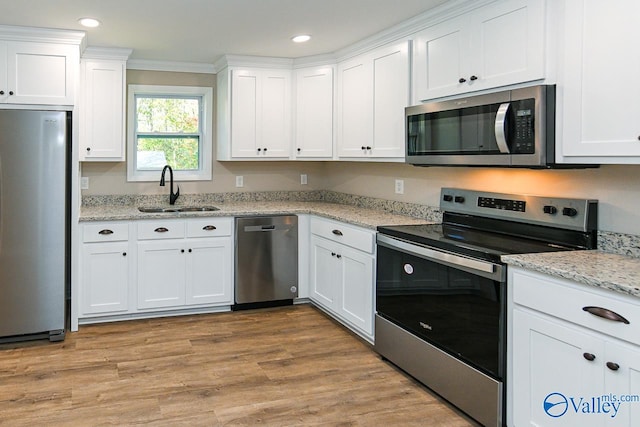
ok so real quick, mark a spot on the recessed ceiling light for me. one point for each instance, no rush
(89, 22)
(301, 38)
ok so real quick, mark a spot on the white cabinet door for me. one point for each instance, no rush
(356, 299)
(551, 367)
(495, 45)
(314, 113)
(245, 113)
(623, 381)
(209, 267)
(102, 135)
(41, 73)
(260, 113)
(161, 273)
(105, 278)
(391, 94)
(4, 87)
(324, 273)
(599, 104)
(276, 113)
(355, 107)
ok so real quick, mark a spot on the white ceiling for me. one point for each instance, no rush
(200, 31)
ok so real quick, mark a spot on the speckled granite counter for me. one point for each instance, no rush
(363, 217)
(618, 273)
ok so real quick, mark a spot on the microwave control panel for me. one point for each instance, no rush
(522, 132)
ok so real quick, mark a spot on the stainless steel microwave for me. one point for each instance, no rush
(513, 128)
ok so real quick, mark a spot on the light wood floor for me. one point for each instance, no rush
(278, 367)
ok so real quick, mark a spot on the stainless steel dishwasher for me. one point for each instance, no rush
(266, 261)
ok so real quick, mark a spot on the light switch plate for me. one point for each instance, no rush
(84, 183)
(239, 181)
(399, 186)
(303, 179)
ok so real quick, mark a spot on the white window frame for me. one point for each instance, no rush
(206, 145)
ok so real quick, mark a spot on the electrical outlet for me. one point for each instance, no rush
(84, 183)
(303, 179)
(239, 181)
(399, 186)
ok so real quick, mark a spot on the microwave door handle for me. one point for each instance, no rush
(499, 128)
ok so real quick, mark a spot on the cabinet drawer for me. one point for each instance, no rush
(209, 227)
(162, 229)
(565, 300)
(105, 232)
(347, 235)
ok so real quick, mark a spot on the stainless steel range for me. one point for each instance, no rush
(441, 289)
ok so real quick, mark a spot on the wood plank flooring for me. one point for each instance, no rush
(290, 366)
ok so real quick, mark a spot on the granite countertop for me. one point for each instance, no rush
(619, 273)
(363, 217)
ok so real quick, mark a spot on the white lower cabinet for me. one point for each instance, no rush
(568, 367)
(342, 273)
(135, 268)
(106, 265)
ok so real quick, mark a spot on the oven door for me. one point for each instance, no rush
(456, 303)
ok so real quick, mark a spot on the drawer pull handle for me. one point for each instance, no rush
(337, 232)
(209, 227)
(613, 366)
(161, 230)
(605, 313)
(589, 356)
(105, 232)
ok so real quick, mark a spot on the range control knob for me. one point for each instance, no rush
(569, 211)
(447, 197)
(548, 209)
(458, 199)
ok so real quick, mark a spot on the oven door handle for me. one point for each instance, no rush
(442, 257)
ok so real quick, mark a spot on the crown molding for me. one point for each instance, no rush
(173, 66)
(43, 35)
(114, 53)
(252, 61)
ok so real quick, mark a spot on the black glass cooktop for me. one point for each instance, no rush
(468, 241)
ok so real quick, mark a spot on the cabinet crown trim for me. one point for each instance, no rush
(118, 54)
(43, 35)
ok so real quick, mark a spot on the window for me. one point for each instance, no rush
(169, 125)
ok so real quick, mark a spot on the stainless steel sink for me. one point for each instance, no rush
(154, 209)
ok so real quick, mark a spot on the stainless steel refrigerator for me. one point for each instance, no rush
(34, 151)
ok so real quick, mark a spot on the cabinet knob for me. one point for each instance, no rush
(124, 254)
(368, 148)
(299, 150)
(10, 92)
(613, 366)
(265, 149)
(473, 78)
(363, 148)
(88, 149)
(333, 254)
(338, 256)
(190, 250)
(181, 251)
(259, 150)
(462, 80)
(1, 92)
(589, 356)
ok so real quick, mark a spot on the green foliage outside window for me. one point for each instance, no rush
(168, 132)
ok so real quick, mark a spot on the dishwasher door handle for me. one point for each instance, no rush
(255, 228)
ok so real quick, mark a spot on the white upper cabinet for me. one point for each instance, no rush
(314, 113)
(38, 73)
(597, 91)
(255, 106)
(499, 44)
(373, 90)
(102, 104)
